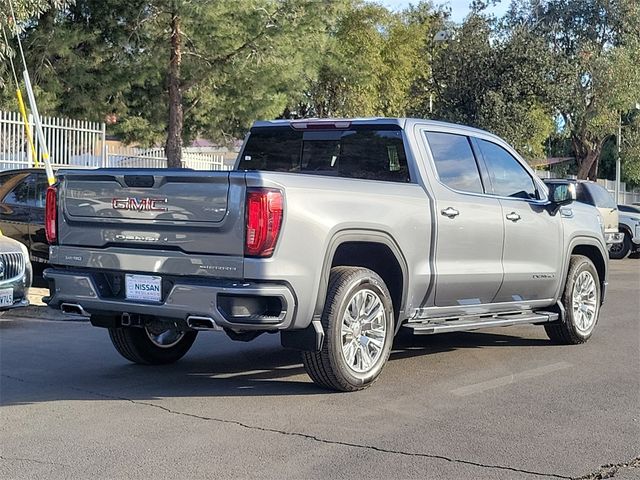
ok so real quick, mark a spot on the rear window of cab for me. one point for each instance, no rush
(365, 153)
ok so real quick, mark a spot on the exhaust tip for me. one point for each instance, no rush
(73, 309)
(202, 323)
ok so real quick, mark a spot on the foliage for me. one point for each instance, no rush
(551, 75)
(25, 11)
(594, 46)
(372, 62)
(109, 59)
(493, 78)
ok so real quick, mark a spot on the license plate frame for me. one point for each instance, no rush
(143, 288)
(6, 297)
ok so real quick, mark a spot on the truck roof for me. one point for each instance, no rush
(404, 123)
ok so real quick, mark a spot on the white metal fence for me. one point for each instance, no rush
(155, 158)
(70, 142)
(76, 143)
(626, 196)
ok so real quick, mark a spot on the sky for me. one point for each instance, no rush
(459, 8)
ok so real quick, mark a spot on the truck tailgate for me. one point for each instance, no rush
(184, 211)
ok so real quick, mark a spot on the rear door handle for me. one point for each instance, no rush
(450, 212)
(513, 216)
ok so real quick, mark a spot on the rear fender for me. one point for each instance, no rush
(370, 236)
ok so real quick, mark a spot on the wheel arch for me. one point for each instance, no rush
(591, 249)
(371, 249)
(622, 227)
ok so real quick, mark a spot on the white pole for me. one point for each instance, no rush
(617, 188)
(30, 158)
(103, 150)
(38, 123)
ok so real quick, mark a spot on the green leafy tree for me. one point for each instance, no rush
(493, 78)
(629, 154)
(369, 63)
(595, 46)
(25, 11)
(230, 62)
(174, 69)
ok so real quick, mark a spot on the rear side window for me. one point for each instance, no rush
(455, 162)
(601, 197)
(22, 194)
(372, 154)
(8, 183)
(508, 177)
(41, 190)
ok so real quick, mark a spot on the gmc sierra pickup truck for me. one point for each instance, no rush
(335, 234)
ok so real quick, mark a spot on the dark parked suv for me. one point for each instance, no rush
(22, 199)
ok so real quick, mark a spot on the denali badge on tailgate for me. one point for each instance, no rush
(139, 204)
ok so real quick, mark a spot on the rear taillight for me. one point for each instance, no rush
(51, 215)
(264, 218)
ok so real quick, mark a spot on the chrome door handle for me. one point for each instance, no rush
(450, 212)
(513, 216)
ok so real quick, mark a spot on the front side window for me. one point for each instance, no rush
(455, 162)
(508, 177)
(582, 195)
(372, 154)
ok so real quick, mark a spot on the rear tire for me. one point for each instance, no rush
(358, 324)
(137, 345)
(581, 301)
(620, 250)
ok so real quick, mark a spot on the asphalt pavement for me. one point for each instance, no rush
(497, 404)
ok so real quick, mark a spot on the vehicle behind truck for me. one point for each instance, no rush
(594, 194)
(335, 234)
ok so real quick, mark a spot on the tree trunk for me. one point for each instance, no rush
(588, 165)
(173, 147)
(587, 156)
(593, 171)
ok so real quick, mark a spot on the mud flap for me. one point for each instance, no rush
(310, 339)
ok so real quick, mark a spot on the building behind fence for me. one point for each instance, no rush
(76, 143)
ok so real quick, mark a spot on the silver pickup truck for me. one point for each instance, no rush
(333, 233)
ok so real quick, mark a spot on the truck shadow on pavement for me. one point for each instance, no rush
(263, 368)
(407, 345)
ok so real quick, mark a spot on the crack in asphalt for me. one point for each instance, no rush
(314, 437)
(611, 470)
(33, 460)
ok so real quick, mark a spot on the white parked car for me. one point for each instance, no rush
(16, 274)
(629, 225)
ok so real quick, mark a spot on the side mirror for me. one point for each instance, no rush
(560, 194)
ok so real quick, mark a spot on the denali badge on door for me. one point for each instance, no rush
(143, 287)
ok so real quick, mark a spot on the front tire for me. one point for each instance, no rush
(620, 250)
(581, 301)
(153, 344)
(358, 323)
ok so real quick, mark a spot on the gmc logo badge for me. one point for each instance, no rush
(139, 204)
